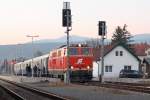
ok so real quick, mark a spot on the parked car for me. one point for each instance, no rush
(130, 74)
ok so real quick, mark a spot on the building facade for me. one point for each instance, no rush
(116, 59)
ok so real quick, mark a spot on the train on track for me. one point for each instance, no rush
(55, 64)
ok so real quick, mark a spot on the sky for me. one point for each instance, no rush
(19, 18)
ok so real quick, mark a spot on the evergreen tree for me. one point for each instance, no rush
(121, 36)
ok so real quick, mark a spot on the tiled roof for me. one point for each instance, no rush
(139, 50)
(97, 51)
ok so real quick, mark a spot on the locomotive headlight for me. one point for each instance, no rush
(71, 67)
(88, 67)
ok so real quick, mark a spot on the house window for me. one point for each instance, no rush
(121, 53)
(108, 68)
(116, 53)
(126, 67)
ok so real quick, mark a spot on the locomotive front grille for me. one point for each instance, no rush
(81, 75)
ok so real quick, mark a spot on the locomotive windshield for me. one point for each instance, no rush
(80, 51)
(73, 51)
(85, 51)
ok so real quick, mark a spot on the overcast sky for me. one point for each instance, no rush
(19, 18)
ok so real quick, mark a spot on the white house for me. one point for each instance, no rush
(116, 59)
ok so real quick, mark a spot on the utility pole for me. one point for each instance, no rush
(102, 57)
(67, 23)
(19, 56)
(102, 32)
(32, 37)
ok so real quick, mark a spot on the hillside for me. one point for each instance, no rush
(142, 38)
(25, 50)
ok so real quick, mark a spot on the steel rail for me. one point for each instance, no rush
(37, 91)
(144, 88)
(131, 87)
(12, 93)
(131, 84)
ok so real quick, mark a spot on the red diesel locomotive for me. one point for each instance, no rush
(80, 62)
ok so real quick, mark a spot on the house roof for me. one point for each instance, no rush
(140, 49)
(124, 48)
(146, 60)
(108, 49)
(97, 51)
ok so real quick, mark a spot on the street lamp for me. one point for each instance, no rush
(32, 37)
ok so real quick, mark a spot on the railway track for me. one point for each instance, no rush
(14, 95)
(131, 87)
(144, 88)
(23, 92)
(131, 84)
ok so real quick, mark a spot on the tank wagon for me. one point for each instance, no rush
(39, 66)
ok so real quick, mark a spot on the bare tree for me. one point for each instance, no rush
(38, 53)
(93, 42)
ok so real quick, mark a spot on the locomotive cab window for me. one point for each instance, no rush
(85, 51)
(54, 54)
(73, 51)
(59, 53)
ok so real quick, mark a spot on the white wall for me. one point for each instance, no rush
(148, 50)
(117, 62)
(95, 69)
(142, 57)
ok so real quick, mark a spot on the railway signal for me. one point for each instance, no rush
(102, 28)
(66, 15)
(102, 33)
(66, 21)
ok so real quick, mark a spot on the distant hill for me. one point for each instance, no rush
(142, 38)
(25, 50)
(72, 38)
(139, 38)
